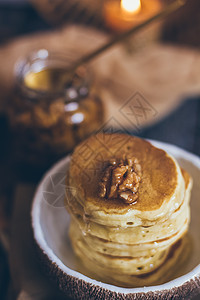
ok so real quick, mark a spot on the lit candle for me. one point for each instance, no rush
(131, 7)
(124, 14)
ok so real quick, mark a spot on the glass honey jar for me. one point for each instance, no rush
(50, 112)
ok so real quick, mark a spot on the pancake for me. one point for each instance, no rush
(133, 232)
(163, 229)
(177, 256)
(126, 242)
(160, 193)
(120, 248)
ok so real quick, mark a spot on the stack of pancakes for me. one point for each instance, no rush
(128, 244)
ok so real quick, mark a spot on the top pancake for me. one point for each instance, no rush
(161, 176)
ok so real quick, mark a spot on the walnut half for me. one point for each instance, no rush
(121, 180)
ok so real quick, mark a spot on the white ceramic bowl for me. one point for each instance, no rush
(50, 222)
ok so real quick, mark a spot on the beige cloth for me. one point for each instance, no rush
(157, 78)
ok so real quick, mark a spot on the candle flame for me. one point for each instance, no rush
(131, 6)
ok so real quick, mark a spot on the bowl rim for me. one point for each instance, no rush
(42, 244)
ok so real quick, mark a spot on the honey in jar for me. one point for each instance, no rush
(52, 110)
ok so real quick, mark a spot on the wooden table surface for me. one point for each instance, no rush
(181, 128)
